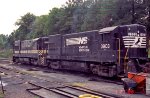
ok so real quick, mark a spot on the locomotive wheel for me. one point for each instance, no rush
(48, 64)
(35, 62)
(130, 66)
(29, 61)
(14, 60)
(32, 61)
(133, 66)
(17, 60)
(94, 70)
(55, 65)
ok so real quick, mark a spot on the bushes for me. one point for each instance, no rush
(6, 53)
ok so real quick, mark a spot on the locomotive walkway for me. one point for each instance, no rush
(22, 81)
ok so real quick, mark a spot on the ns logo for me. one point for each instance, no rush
(77, 41)
(83, 40)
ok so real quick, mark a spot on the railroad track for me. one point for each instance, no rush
(7, 71)
(66, 92)
(91, 77)
(58, 92)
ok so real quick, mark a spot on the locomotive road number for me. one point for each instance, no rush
(105, 46)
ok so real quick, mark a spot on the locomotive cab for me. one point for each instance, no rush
(125, 46)
(16, 50)
(134, 40)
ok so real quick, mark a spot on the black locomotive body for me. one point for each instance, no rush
(31, 51)
(105, 52)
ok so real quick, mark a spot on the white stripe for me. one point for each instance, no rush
(135, 47)
(133, 42)
(143, 42)
(128, 41)
(128, 36)
(133, 37)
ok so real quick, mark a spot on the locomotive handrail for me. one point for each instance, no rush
(119, 52)
(125, 66)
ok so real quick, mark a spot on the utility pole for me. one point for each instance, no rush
(133, 9)
(149, 11)
(133, 12)
(148, 18)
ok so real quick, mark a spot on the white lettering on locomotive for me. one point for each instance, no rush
(83, 49)
(76, 41)
(137, 34)
(135, 40)
(105, 46)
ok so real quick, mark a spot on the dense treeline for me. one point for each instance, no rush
(82, 15)
(3, 42)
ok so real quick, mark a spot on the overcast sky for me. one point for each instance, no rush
(11, 10)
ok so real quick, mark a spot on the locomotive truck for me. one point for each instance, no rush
(106, 52)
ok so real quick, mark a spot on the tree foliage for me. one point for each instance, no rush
(3, 41)
(24, 25)
(82, 15)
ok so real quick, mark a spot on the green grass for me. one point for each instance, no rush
(1, 95)
(5, 53)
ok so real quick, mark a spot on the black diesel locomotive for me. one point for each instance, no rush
(105, 52)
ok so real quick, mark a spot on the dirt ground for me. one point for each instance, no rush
(16, 80)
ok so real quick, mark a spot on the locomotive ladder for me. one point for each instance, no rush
(41, 57)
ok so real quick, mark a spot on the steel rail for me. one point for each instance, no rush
(104, 95)
(59, 90)
(55, 91)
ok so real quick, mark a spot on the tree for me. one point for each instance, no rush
(3, 41)
(25, 25)
(148, 16)
(39, 27)
(83, 15)
(54, 20)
